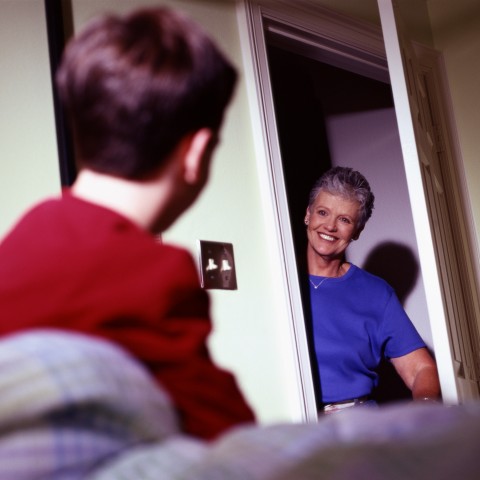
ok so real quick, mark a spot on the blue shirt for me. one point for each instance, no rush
(356, 319)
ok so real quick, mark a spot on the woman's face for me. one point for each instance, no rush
(331, 224)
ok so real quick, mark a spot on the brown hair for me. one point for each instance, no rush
(134, 85)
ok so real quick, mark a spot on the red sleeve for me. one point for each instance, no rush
(174, 349)
(208, 399)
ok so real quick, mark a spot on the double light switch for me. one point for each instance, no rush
(217, 265)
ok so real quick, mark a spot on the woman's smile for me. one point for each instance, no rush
(327, 237)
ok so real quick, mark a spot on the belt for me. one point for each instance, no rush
(335, 406)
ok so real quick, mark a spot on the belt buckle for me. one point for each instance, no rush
(335, 407)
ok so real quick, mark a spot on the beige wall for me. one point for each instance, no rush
(28, 154)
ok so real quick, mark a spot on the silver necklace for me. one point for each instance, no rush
(315, 286)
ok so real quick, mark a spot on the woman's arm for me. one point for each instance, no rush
(419, 372)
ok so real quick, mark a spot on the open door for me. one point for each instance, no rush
(452, 303)
(451, 307)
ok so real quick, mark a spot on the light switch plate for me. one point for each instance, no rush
(217, 265)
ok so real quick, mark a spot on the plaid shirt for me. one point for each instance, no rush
(76, 407)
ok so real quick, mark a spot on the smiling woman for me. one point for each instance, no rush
(331, 226)
(356, 317)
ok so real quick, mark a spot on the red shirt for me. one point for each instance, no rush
(74, 265)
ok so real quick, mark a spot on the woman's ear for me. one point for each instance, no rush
(307, 216)
(196, 156)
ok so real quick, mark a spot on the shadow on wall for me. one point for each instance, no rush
(397, 265)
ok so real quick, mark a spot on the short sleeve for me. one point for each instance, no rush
(400, 336)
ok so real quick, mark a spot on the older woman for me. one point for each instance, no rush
(356, 317)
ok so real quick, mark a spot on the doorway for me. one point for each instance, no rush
(326, 36)
(330, 116)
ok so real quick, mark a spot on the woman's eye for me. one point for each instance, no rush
(345, 220)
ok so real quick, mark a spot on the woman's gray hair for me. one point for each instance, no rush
(349, 184)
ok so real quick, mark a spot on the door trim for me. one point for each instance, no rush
(251, 17)
(331, 38)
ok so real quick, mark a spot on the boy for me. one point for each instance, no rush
(145, 94)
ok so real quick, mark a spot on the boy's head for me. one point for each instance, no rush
(135, 85)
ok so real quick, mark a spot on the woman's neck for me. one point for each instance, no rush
(331, 268)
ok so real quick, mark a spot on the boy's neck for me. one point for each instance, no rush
(139, 201)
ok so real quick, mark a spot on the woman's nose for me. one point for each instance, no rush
(331, 226)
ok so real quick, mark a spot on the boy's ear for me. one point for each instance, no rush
(196, 155)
